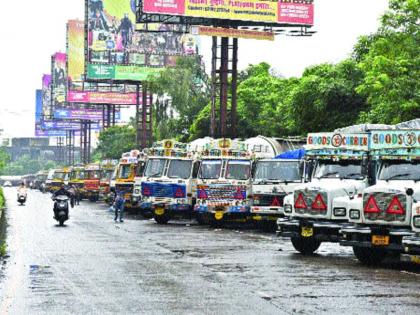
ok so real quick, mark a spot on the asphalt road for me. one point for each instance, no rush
(94, 266)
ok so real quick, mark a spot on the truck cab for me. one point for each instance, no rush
(92, 181)
(224, 182)
(77, 180)
(125, 174)
(316, 211)
(384, 217)
(56, 178)
(169, 184)
(273, 180)
(108, 168)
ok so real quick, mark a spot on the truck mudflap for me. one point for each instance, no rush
(388, 238)
(323, 231)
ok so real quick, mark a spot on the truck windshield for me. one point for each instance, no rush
(60, 175)
(106, 175)
(340, 169)
(93, 174)
(155, 167)
(125, 171)
(140, 169)
(180, 169)
(210, 169)
(77, 175)
(278, 170)
(399, 170)
(240, 170)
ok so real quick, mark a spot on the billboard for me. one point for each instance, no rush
(118, 49)
(59, 80)
(82, 113)
(76, 50)
(46, 95)
(102, 98)
(231, 32)
(66, 125)
(39, 132)
(298, 12)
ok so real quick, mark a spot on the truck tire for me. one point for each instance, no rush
(161, 219)
(305, 246)
(369, 256)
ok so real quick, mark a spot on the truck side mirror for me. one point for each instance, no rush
(371, 172)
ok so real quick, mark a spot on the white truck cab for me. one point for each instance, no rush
(169, 182)
(273, 180)
(316, 211)
(384, 216)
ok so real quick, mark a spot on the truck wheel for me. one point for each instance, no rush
(161, 219)
(369, 256)
(305, 246)
(61, 222)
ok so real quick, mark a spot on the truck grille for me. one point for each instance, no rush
(161, 190)
(219, 192)
(269, 200)
(309, 197)
(383, 201)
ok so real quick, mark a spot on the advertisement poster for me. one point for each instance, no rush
(231, 32)
(76, 50)
(102, 98)
(272, 12)
(46, 95)
(115, 41)
(39, 132)
(82, 113)
(59, 79)
(65, 125)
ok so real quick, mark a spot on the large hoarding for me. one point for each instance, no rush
(39, 132)
(59, 80)
(118, 49)
(76, 50)
(102, 98)
(46, 96)
(82, 113)
(297, 12)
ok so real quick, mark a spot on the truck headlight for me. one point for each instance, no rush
(340, 212)
(354, 214)
(287, 208)
(416, 221)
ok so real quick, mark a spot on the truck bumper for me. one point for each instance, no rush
(179, 211)
(324, 231)
(362, 236)
(237, 214)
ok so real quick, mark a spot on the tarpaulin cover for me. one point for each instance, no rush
(292, 155)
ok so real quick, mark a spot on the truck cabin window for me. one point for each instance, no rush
(400, 170)
(278, 171)
(340, 169)
(155, 167)
(180, 169)
(210, 169)
(239, 170)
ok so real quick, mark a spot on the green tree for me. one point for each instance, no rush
(114, 141)
(325, 98)
(4, 158)
(390, 60)
(187, 87)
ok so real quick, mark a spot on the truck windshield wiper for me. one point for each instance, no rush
(351, 175)
(397, 176)
(327, 175)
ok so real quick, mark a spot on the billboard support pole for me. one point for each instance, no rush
(224, 69)
(234, 88)
(213, 87)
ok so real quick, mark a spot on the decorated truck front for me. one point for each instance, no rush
(169, 183)
(92, 181)
(224, 183)
(108, 169)
(316, 211)
(273, 180)
(126, 171)
(56, 178)
(384, 218)
(77, 180)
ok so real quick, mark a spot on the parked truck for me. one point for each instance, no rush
(92, 181)
(385, 216)
(169, 183)
(315, 211)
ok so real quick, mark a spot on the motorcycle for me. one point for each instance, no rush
(61, 208)
(21, 198)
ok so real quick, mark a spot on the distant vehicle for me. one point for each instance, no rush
(7, 184)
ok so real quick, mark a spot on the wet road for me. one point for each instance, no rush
(93, 265)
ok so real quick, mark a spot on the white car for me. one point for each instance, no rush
(7, 184)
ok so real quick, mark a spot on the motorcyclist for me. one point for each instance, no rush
(60, 192)
(22, 189)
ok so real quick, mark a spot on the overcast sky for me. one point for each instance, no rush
(31, 31)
